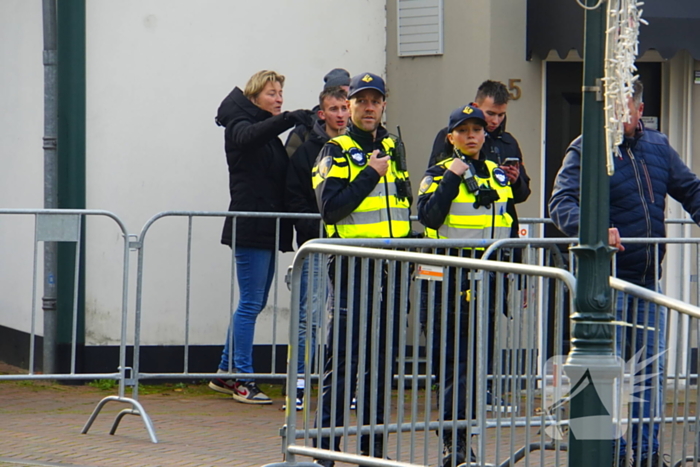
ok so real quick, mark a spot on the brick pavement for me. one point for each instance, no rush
(41, 424)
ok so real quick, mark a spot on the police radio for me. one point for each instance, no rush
(468, 175)
(400, 152)
(403, 186)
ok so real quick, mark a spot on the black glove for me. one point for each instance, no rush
(300, 117)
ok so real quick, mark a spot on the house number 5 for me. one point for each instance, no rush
(515, 91)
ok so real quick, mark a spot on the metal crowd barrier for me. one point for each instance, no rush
(531, 325)
(501, 333)
(659, 373)
(520, 404)
(274, 303)
(66, 225)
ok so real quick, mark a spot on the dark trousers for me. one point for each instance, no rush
(460, 330)
(368, 332)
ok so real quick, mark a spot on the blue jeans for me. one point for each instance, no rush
(255, 268)
(312, 273)
(651, 404)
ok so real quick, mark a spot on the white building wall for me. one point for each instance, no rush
(156, 73)
(21, 154)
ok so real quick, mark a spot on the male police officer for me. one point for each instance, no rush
(362, 191)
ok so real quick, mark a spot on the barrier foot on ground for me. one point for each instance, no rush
(688, 459)
(287, 464)
(520, 453)
(137, 409)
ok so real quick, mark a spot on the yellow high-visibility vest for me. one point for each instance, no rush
(381, 214)
(464, 221)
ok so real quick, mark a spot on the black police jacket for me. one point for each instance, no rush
(257, 167)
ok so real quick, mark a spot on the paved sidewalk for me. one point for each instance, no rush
(40, 425)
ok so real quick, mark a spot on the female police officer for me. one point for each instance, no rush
(465, 197)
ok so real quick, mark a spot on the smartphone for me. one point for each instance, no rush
(511, 161)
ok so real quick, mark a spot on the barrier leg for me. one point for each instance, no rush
(297, 464)
(119, 417)
(520, 453)
(137, 409)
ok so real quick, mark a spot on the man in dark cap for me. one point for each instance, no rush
(362, 191)
(337, 77)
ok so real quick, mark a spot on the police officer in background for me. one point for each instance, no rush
(465, 196)
(363, 191)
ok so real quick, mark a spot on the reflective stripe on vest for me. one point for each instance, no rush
(464, 221)
(381, 214)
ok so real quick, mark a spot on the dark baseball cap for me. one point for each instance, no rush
(462, 114)
(366, 81)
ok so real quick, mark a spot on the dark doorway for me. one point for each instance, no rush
(563, 110)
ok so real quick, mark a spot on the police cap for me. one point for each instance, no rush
(464, 113)
(366, 81)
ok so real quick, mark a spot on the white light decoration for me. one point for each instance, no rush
(622, 32)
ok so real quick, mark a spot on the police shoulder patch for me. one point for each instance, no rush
(500, 176)
(357, 156)
(425, 184)
(324, 167)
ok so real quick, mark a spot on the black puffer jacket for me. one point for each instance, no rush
(300, 193)
(257, 168)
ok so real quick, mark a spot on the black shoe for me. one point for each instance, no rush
(447, 460)
(378, 446)
(324, 462)
(458, 456)
(656, 461)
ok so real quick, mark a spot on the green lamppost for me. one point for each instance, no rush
(591, 364)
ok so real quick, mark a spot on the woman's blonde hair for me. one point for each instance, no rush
(257, 82)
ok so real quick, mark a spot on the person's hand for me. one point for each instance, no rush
(458, 166)
(614, 239)
(380, 164)
(301, 117)
(512, 172)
